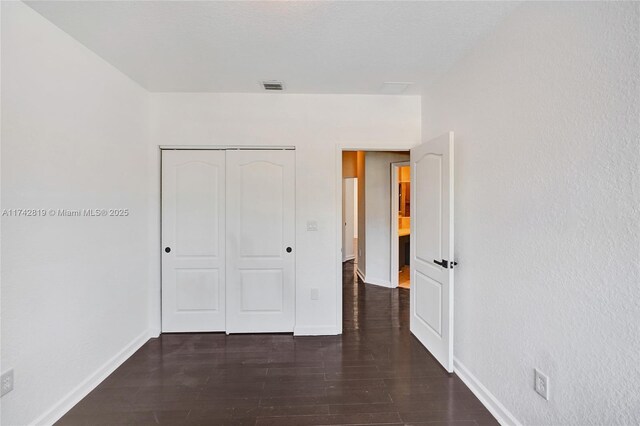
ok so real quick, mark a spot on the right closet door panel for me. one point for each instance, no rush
(260, 246)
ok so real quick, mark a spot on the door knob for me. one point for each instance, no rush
(445, 263)
(167, 249)
(289, 249)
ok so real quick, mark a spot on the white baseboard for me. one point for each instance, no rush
(372, 280)
(492, 404)
(328, 330)
(60, 408)
(378, 282)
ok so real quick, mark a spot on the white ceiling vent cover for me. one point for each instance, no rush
(272, 85)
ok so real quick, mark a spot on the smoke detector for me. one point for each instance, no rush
(272, 85)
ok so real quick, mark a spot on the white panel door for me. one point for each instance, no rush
(193, 238)
(260, 241)
(348, 216)
(432, 247)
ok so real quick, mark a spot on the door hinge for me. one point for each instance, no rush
(445, 263)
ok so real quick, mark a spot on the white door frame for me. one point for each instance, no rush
(353, 146)
(395, 244)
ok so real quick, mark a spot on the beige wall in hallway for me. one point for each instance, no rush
(377, 199)
(349, 164)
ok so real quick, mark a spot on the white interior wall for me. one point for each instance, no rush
(1, 207)
(545, 112)
(74, 289)
(538, 105)
(378, 215)
(316, 125)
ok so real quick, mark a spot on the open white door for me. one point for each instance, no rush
(193, 252)
(260, 241)
(348, 218)
(432, 247)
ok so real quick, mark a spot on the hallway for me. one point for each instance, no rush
(375, 373)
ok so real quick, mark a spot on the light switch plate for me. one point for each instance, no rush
(315, 294)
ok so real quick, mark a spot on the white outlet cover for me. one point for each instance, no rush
(7, 382)
(312, 225)
(541, 384)
(315, 294)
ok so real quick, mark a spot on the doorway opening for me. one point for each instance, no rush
(375, 216)
(429, 196)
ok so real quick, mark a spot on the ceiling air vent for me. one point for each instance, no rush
(273, 85)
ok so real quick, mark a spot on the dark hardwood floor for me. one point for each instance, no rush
(376, 372)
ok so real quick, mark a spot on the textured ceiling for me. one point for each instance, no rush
(315, 47)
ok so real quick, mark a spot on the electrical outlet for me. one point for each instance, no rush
(315, 294)
(541, 384)
(7, 382)
(312, 225)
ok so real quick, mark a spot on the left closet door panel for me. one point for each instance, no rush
(193, 241)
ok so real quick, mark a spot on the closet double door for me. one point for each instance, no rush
(228, 255)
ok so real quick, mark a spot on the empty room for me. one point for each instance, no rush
(319, 213)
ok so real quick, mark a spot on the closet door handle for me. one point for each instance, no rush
(289, 250)
(167, 249)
